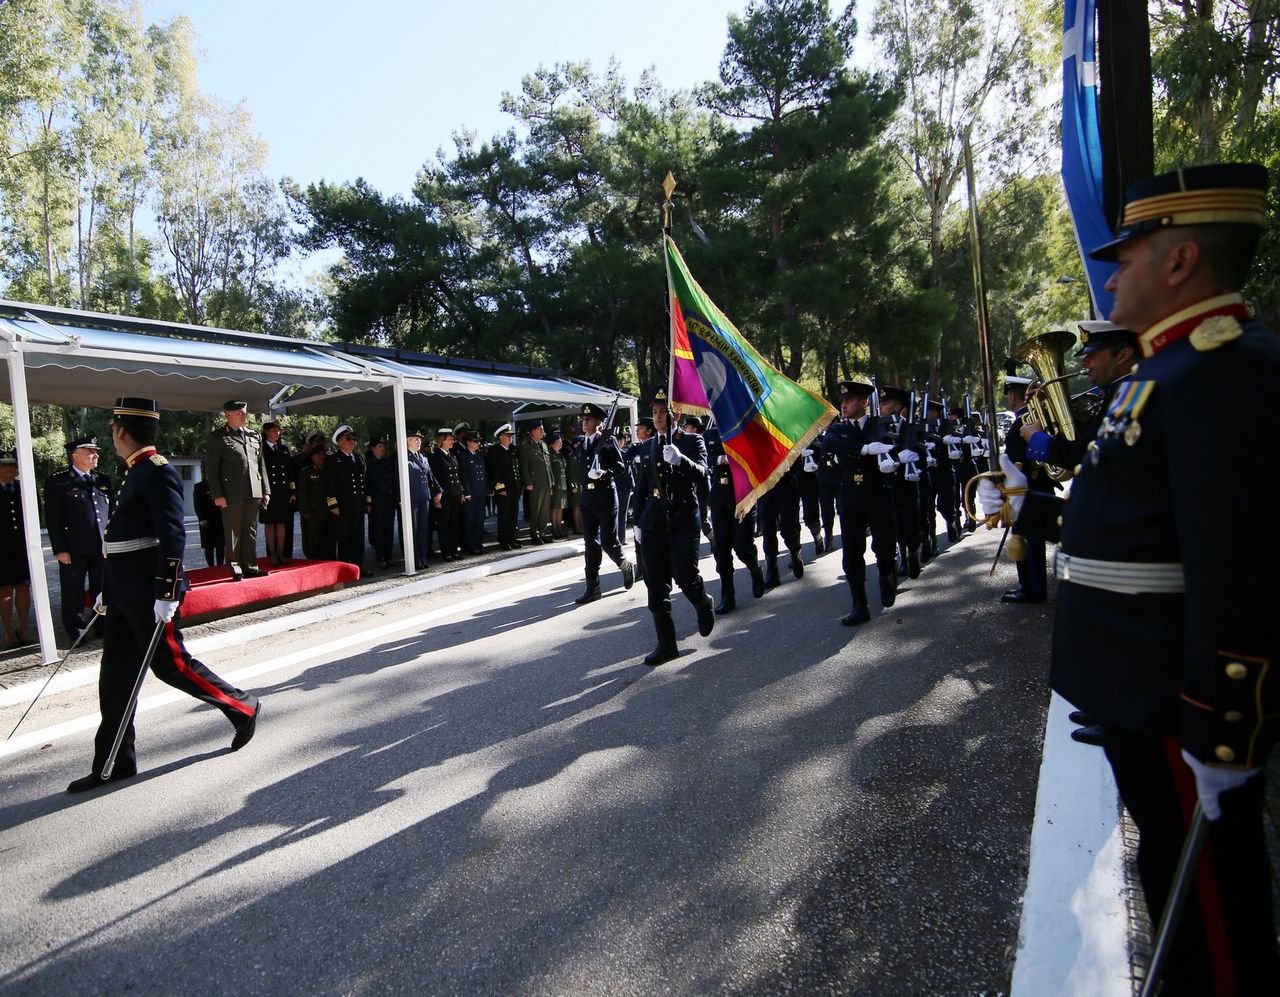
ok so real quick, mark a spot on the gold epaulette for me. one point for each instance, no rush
(158, 460)
(1218, 330)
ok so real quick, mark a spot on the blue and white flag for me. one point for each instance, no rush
(1082, 146)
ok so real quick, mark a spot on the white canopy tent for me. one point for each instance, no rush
(65, 357)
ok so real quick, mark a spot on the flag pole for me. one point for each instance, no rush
(980, 293)
(668, 188)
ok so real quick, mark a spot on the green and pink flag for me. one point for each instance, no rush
(765, 419)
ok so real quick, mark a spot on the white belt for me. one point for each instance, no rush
(125, 546)
(1127, 577)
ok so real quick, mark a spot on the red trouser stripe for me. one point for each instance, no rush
(1207, 892)
(179, 661)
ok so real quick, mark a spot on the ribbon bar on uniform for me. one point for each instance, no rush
(126, 546)
(1125, 577)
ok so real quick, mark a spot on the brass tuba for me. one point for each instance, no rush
(1047, 400)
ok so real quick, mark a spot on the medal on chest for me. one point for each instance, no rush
(1123, 415)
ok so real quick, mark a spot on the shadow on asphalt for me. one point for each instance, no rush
(929, 718)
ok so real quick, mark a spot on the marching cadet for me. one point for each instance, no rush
(318, 528)
(729, 535)
(444, 465)
(622, 484)
(668, 525)
(942, 473)
(77, 504)
(535, 472)
(631, 457)
(906, 484)
(15, 571)
(237, 476)
(828, 475)
(503, 465)
(277, 516)
(1163, 632)
(143, 586)
(345, 496)
(965, 464)
(693, 425)
(865, 500)
(811, 498)
(600, 465)
(475, 490)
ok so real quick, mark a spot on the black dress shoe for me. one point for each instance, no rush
(1081, 719)
(246, 729)
(516, 545)
(727, 605)
(771, 579)
(93, 780)
(797, 566)
(255, 573)
(859, 614)
(628, 574)
(236, 576)
(1088, 735)
(592, 594)
(1019, 596)
(757, 583)
(706, 615)
(661, 654)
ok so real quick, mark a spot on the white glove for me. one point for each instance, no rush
(951, 441)
(910, 473)
(908, 457)
(930, 446)
(887, 464)
(930, 462)
(1013, 478)
(671, 454)
(989, 498)
(165, 609)
(595, 474)
(954, 453)
(722, 459)
(1213, 780)
(99, 608)
(635, 459)
(810, 465)
(875, 449)
(971, 440)
(635, 532)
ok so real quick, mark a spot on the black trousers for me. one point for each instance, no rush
(348, 533)
(906, 509)
(671, 555)
(947, 496)
(809, 500)
(473, 523)
(318, 536)
(1227, 941)
(827, 504)
(508, 506)
(449, 524)
(128, 632)
(600, 527)
(71, 582)
(382, 518)
(869, 504)
(624, 501)
(420, 524)
(731, 537)
(1033, 570)
(779, 510)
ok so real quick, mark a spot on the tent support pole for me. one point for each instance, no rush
(406, 503)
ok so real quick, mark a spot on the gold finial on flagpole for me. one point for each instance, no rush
(668, 188)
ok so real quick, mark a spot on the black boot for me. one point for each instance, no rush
(757, 581)
(888, 583)
(628, 574)
(819, 548)
(592, 591)
(706, 615)
(860, 613)
(933, 545)
(925, 551)
(797, 566)
(902, 559)
(771, 579)
(953, 531)
(666, 649)
(913, 562)
(830, 543)
(727, 601)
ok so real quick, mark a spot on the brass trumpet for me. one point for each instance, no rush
(1047, 400)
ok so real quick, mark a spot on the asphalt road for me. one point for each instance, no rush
(506, 801)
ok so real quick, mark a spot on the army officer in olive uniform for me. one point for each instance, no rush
(240, 485)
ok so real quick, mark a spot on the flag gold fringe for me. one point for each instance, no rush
(797, 448)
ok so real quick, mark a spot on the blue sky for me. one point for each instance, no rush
(373, 88)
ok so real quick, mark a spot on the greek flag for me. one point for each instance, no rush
(1082, 145)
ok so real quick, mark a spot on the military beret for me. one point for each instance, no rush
(84, 443)
(590, 411)
(145, 408)
(234, 406)
(1217, 194)
(1096, 335)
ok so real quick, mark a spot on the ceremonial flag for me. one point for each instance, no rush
(1082, 146)
(764, 418)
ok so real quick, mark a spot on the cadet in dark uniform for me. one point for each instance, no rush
(906, 482)
(779, 510)
(15, 573)
(277, 516)
(729, 535)
(941, 432)
(143, 585)
(811, 498)
(209, 517)
(965, 465)
(623, 485)
(424, 492)
(669, 526)
(318, 527)
(1163, 632)
(382, 485)
(693, 425)
(600, 465)
(631, 456)
(865, 500)
(77, 504)
(828, 487)
(345, 496)
(444, 465)
(237, 476)
(504, 478)
(475, 493)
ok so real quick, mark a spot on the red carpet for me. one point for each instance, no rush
(214, 595)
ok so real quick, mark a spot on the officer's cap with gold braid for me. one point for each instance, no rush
(590, 411)
(660, 398)
(1096, 334)
(143, 408)
(855, 389)
(1220, 194)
